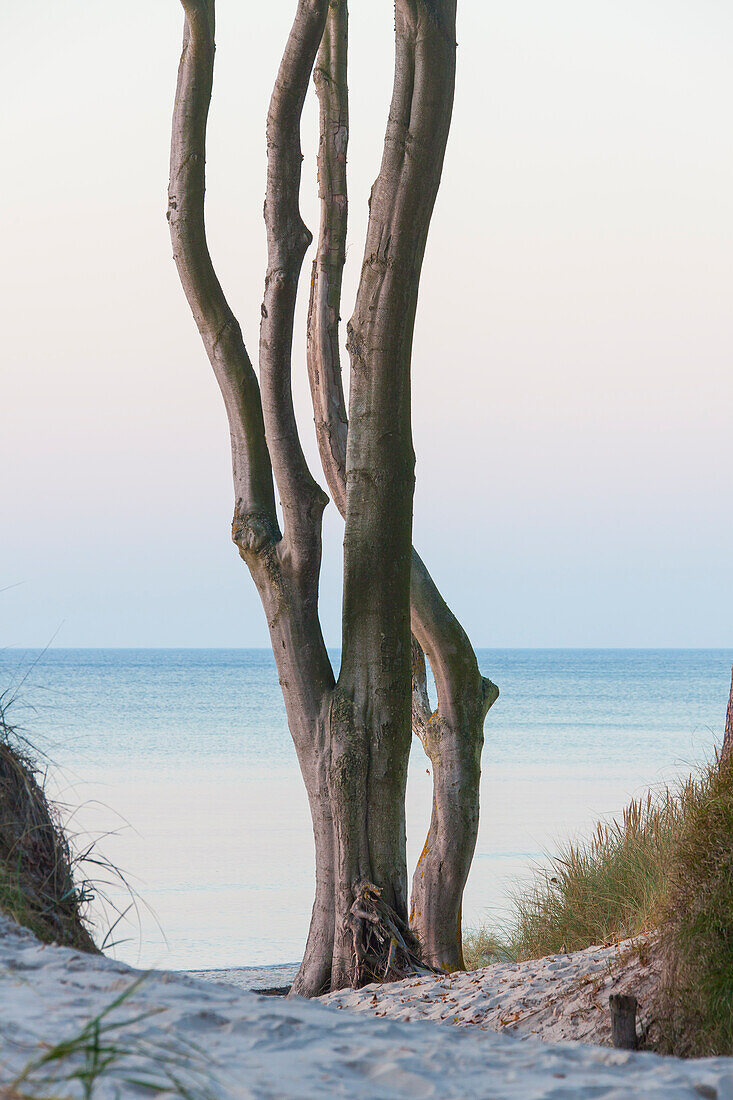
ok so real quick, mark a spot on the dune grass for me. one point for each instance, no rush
(598, 891)
(610, 887)
(665, 867)
(694, 1004)
(109, 1050)
(37, 884)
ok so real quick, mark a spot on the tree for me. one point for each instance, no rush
(727, 749)
(352, 735)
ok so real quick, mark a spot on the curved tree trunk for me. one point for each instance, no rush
(285, 567)
(453, 737)
(352, 737)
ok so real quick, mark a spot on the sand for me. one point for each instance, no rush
(223, 1041)
(559, 998)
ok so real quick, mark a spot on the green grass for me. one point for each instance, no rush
(665, 866)
(484, 946)
(607, 888)
(694, 1005)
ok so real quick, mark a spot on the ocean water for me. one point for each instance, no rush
(178, 763)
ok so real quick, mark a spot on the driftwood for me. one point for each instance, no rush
(623, 1021)
(385, 949)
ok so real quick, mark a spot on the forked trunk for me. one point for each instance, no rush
(352, 737)
(453, 738)
(464, 695)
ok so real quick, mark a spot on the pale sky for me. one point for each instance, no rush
(573, 389)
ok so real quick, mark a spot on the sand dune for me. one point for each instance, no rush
(226, 1042)
(560, 998)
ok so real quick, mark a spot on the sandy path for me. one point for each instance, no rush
(560, 998)
(229, 1043)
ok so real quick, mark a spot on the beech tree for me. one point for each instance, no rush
(727, 749)
(352, 734)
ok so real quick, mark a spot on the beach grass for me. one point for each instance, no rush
(694, 1004)
(109, 1049)
(607, 888)
(664, 867)
(37, 884)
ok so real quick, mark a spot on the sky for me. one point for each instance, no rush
(572, 383)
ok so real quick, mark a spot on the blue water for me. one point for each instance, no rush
(608, 707)
(191, 748)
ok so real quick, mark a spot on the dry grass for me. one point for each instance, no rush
(612, 886)
(37, 887)
(665, 866)
(599, 891)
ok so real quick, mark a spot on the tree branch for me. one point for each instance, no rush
(453, 736)
(324, 361)
(255, 519)
(287, 241)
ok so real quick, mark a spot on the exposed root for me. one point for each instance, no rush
(385, 948)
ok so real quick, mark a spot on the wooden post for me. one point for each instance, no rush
(623, 1021)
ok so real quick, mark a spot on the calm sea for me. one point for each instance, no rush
(179, 764)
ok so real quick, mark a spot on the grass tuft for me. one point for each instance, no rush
(37, 886)
(109, 1050)
(610, 887)
(665, 867)
(482, 947)
(694, 1004)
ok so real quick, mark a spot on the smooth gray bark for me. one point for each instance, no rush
(324, 359)
(453, 736)
(352, 737)
(285, 566)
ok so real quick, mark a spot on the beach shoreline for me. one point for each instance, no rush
(275, 979)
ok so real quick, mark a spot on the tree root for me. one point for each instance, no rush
(385, 947)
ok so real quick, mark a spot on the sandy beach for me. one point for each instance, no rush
(558, 999)
(562, 998)
(223, 1041)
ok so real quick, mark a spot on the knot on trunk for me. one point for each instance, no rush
(252, 532)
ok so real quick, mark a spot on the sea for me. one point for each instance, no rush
(178, 783)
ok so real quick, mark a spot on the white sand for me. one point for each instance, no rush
(560, 998)
(233, 1043)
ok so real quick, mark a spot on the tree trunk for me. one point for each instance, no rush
(352, 737)
(453, 738)
(285, 567)
(464, 696)
(727, 749)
